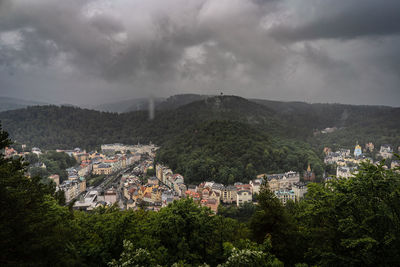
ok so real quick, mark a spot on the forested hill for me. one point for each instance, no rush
(177, 101)
(65, 127)
(160, 103)
(320, 116)
(228, 152)
(62, 127)
(127, 105)
(362, 124)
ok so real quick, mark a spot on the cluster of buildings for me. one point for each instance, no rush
(112, 159)
(130, 149)
(285, 186)
(158, 191)
(10, 152)
(94, 199)
(153, 192)
(211, 194)
(288, 186)
(105, 163)
(92, 163)
(386, 152)
(347, 163)
(73, 188)
(165, 187)
(162, 186)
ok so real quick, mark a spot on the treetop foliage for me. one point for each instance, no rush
(228, 152)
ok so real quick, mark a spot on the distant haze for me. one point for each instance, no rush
(88, 52)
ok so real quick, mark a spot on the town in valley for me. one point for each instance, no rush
(129, 177)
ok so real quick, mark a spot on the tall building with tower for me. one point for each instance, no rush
(357, 151)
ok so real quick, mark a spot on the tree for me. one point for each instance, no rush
(35, 230)
(243, 213)
(134, 257)
(272, 221)
(185, 230)
(353, 222)
(31, 158)
(269, 218)
(251, 256)
(150, 172)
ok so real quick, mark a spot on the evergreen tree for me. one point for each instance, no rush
(34, 228)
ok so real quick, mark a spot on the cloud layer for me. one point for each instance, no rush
(85, 52)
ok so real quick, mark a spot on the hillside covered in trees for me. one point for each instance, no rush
(228, 152)
(337, 224)
(216, 137)
(65, 126)
(54, 127)
(377, 124)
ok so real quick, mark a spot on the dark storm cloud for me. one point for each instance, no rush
(96, 50)
(344, 20)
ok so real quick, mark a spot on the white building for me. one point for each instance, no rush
(167, 197)
(256, 184)
(117, 147)
(299, 189)
(88, 202)
(284, 195)
(332, 158)
(150, 149)
(386, 152)
(395, 164)
(346, 172)
(71, 189)
(110, 196)
(36, 151)
(282, 180)
(243, 196)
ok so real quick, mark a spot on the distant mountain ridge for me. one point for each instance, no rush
(10, 103)
(177, 101)
(160, 103)
(135, 104)
(326, 115)
(83, 127)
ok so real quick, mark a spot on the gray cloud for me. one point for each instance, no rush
(89, 51)
(344, 20)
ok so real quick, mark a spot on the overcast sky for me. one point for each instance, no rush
(87, 52)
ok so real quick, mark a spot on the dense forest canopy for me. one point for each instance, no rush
(54, 127)
(228, 152)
